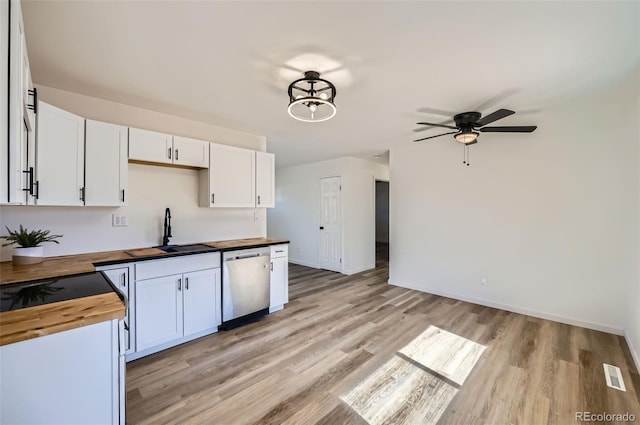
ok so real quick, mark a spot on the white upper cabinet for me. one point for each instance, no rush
(190, 152)
(230, 179)
(265, 185)
(18, 96)
(59, 157)
(160, 148)
(150, 146)
(105, 164)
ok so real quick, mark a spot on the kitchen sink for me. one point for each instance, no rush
(185, 248)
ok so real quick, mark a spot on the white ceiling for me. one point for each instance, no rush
(222, 62)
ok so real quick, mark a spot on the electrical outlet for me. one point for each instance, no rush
(119, 220)
(256, 215)
(483, 281)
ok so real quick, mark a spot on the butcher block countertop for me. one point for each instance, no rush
(83, 263)
(47, 319)
(233, 244)
(32, 322)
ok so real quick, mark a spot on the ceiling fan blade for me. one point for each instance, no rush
(513, 129)
(495, 99)
(495, 116)
(437, 125)
(436, 111)
(431, 137)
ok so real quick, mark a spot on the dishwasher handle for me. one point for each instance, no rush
(242, 257)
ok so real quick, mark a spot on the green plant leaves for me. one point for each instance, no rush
(29, 239)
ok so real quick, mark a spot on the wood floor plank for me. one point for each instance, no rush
(292, 366)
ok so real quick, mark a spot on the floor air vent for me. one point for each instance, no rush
(614, 377)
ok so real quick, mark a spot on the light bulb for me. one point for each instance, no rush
(313, 108)
(324, 96)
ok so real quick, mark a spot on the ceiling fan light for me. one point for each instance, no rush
(466, 136)
(311, 98)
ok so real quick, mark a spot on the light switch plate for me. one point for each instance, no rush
(119, 220)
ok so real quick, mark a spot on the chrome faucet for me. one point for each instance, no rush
(167, 227)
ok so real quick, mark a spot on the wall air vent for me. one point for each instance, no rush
(613, 375)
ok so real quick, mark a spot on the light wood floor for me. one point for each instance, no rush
(292, 366)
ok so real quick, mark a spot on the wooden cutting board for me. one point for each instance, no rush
(143, 252)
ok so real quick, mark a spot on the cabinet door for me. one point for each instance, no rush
(231, 177)
(190, 152)
(158, 311)
(120, 279)
(59, 157)
(16, 75)
(149, 146)
(279, 281)
(200, 307)
(105, 164)
(265, 180)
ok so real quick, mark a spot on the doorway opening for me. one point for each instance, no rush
(382, 222)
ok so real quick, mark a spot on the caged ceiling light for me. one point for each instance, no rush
(311, 98)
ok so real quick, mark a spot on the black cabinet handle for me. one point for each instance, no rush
(124, 279)
(30, 183)
(213, 198)
(122, 195)
(179, 284)
(186, 283)
(272, 266)
(321, 227)
(34, 106)
(258, 199)
(176, 154)
(169, 153)
(82, 194)
(37, 185)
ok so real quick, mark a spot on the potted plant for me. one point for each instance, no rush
(30, 251)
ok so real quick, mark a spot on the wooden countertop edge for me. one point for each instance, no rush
(48, 319)
(68, 265)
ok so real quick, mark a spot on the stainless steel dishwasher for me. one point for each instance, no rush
(245, 286)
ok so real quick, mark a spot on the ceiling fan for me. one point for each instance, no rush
(469, 124)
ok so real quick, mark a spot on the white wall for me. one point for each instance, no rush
(550, 219)
(151, 190)
(296, 216)
(633, 299)
(382, 211)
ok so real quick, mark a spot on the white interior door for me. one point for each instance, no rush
(331, 224)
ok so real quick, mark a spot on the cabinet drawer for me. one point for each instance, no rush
(279, 250)
(176, 265)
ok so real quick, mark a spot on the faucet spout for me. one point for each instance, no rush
(167, 227)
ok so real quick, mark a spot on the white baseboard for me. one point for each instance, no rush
(634, 353)
(359, 270)
(302, 263)
(520, 310)
(152, 350)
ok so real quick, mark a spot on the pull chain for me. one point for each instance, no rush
(467, 147)
(464, 155)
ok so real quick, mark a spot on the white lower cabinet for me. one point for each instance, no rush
(158, 311)
(70, 377)
(181, 304)
(201, 290)
(279, 277)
